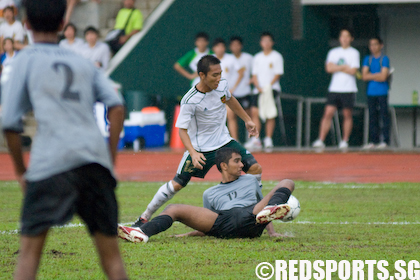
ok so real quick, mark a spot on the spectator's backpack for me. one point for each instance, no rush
(391, 71)
(113, 36)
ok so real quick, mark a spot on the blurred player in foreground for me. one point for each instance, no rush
(233, 209)
(203, 131)
(70, 168)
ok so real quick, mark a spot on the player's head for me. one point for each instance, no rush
(91, 35)
(235, 44)
(346, 37)
(229, 160)
(202, 41)
(45, 15)
(266, 41)
(70, 31)
(219, 47)
(210, 71)
(9, 13)
(375, 45)
(8, 44)
(129, 4)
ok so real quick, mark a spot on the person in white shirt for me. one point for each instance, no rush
(343, 63)
(241, 87)
(94, 50)
(12, 28)
(4, 4)
(227, 61)
(71, 42)
(9, 53)
(267, 68)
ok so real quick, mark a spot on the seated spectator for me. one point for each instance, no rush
(94, 50)
(12, 28)
(130, 19)
(71, 42)
(7, 3)
(9, 52)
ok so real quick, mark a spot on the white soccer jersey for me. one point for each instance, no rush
(340, 81)
(244, 87)
(229, 67)
(204, 116)
(265, 67)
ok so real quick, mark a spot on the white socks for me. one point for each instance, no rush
(164, 194)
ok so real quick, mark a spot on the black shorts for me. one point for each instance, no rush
(186, 169)
(236, 223)
(248, 101)
(87, 191)
(341, 100)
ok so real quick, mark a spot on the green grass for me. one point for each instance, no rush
(337, 222)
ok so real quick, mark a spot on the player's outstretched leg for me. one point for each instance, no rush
(198, 218)
(272, 206)
(163, 195)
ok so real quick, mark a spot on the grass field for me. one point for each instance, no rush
(337, 222)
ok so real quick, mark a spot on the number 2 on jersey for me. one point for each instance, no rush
(67, 93)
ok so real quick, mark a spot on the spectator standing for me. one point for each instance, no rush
(12, 28)
(343, 63)
(227, 61)
(190, 59)
(130, 19)
(241, 87)
(71, 42)
(70, 7)
(94, 50)
(267, 68)
(376, 72)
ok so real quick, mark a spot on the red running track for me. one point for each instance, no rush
(327, 167)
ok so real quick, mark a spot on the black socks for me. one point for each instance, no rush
(157, 225)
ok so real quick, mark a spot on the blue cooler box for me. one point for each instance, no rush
(153, 135)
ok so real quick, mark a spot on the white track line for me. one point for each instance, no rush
(294, 222)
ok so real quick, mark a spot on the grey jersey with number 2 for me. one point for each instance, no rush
(61, 88)
(244, 191)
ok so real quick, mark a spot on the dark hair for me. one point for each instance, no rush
(8, 39)
(91, 29)
(236, 38)
(349, 30)
(45, 15)
(224, 155)
(205, 62)
(10, 8)
(266, 33)
(377, 38)
(70, 25)
(218, 41)
(202, 35)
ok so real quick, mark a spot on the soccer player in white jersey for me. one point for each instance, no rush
(241, 89)
(70, 168)
(267, 69)
(235, 208)
(227, 61)
(343, 63)
(203, 131)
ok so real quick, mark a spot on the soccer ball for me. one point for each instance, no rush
(294, 209)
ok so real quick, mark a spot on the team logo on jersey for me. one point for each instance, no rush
(223, 99)
(271, 65)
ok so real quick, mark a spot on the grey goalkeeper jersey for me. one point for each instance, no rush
(243, 192)
(61, 88)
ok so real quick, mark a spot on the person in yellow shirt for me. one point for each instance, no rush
(130, 19)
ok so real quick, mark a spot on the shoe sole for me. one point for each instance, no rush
(123, 234)
(277, 213)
